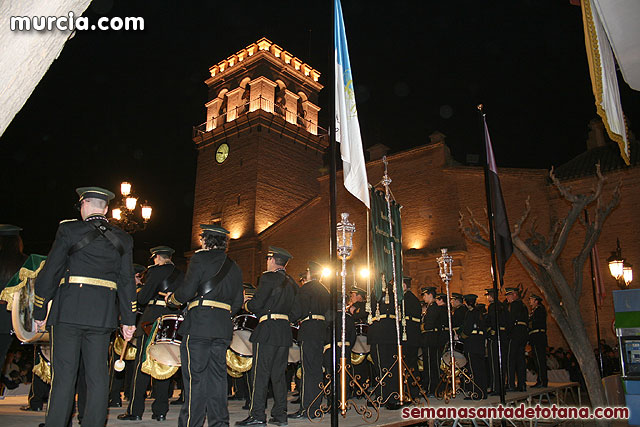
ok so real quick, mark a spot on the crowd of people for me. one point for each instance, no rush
(94, 289)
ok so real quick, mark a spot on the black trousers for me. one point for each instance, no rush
(140, 384)
(204, 374)
(118, 380)
(493, 381)
(383, 359)
(269, 363)
(311, 355)
(516, 362)
(478, 372)
(5, 342)
(539, 346)
(38, 393)
(431, 358)
(68, 341)
(410, 356)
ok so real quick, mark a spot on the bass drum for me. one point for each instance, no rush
(361, 346)
(458, 355)
(165, 348)
(243, 326)
(24, 326)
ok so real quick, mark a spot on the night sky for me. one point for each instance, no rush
(121, 105)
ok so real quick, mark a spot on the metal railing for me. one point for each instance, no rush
(259, 103)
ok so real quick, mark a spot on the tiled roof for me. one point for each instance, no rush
(608, 156)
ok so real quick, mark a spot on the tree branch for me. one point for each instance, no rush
(473, 231)
(518, 226)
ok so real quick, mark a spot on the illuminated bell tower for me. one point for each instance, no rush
(260, 150)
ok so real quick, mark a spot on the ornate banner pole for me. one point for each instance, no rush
(344, 237)
(386, 181)
(444, 263)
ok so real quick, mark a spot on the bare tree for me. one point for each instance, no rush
(539, 255)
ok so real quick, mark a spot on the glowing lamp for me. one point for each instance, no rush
(326, 272)
(125, 188)
(116, 214)
(627, 273)
(146, 212)
(364, 273)
(131, 203)
(616, 262)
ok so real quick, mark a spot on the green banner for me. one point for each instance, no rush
(382, 241)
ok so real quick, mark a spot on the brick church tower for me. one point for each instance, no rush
(260, 150)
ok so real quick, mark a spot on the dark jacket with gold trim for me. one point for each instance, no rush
(204, 321)
(157, 280)
(87, 304)
(538, 323)
(275, 295)
(472, 332)
(383, 326)
(517, 320)
(312, 299)
(413, 314)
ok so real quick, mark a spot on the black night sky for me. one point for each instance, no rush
(121, 105)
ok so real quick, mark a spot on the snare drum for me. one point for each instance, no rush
(361, 346)
(458, 354)
(243, 326)
(294, 350)
(165, 347)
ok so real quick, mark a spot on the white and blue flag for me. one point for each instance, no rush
(347, 125)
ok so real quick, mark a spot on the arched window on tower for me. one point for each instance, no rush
(243, 108)
(302, 114)
(279, 106)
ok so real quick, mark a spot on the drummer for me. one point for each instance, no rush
(213, 289)
(472, 332)
(161, 278)
(310, 307)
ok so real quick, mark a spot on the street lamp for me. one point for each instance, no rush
(446, 274)
(124, 214)
(619, 268)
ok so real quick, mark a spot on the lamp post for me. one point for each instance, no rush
(446, 273)
(619, 268)
(344, 234)
(125, 215)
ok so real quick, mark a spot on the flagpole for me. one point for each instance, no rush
(595, 301)
(492, 248)
(333, 255)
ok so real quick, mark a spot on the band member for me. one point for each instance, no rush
(271, 339)
(472, 334)
(161, 279)
(11, 259)
(458, 313)
(431, 343)
(88, 267)
(212, 290)
(412, 316)
(39, 390)
(492, 345)
(360, 316)
(538, 338)
(311, 305)
(384, 346)
(517, 318)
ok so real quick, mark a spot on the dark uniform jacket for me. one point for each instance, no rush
(360, 314)
(383, 326)
(431, 326)
(457, 318)
(472, 332)
(538, 323)
(94, 271)
(312, 299)
(490, 320)
(517, 319)
(202, 320)
(157, 279)
(275, 295)
(412, 314)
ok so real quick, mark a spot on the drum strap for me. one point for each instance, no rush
(93, 235)
(168, 281)
(211, 284)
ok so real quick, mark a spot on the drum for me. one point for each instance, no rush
(458, 354)
(165, 347)
(243, 326)
(361, 346)
(294, 350)
(22, 315)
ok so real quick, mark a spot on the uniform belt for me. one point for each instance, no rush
(536, 331)
(477, 332)
(328, 346)
(273, 317)
(521, 323)
(384, 316)
(81, 280)
(313, 317)
(158, 302)
(209, 303)
(431, 330)
(415, 319)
